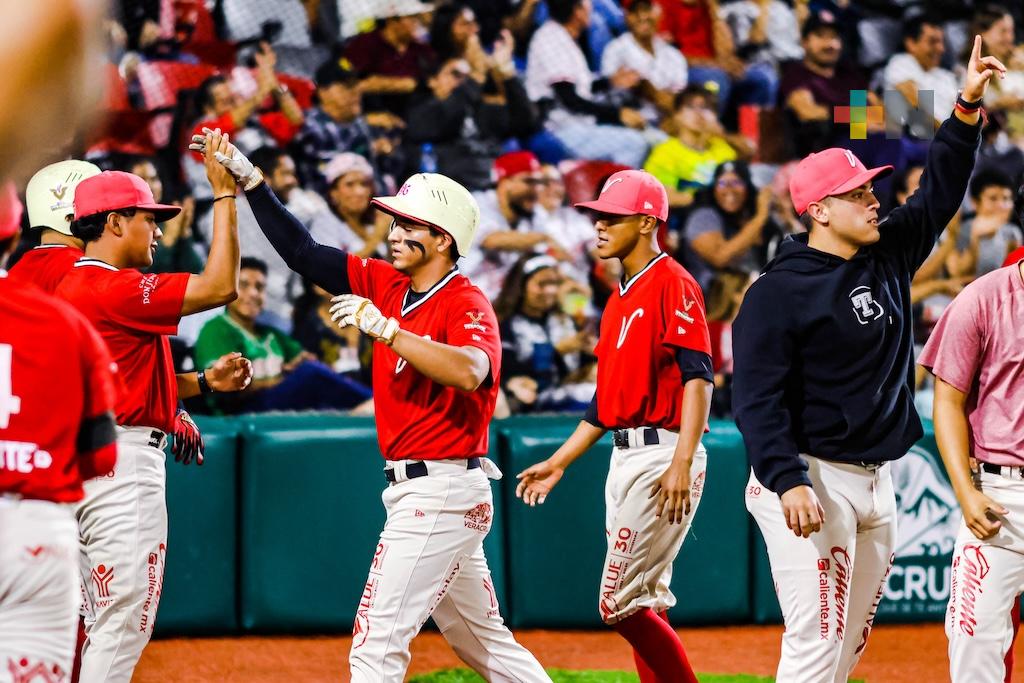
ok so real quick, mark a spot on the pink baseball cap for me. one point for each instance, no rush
(514, 163)
(10, 211)
(627, 193)
(829, 172)
(112, 190)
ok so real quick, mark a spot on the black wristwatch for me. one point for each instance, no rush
(204, 386)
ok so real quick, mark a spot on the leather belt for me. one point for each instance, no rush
(419, 468)
(1008, 471)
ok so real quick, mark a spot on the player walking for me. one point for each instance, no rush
(654, 380)
(57, 396)
(823, 355)
(50, 196)
(975, 352)
(435, 378)
(123, 519)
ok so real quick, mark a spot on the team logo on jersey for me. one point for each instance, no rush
(474, 321)
(147, 284)
(626, 322)
(685, 316)
(479, 518)
(865, 306)
(102, 576)
(24, 671)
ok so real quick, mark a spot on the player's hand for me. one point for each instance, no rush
(188, 442)
(350, 309)
(230, 372)
(980, 514)
(221, 180)
(536, 482)
(228, 156)
(673, 491)
(979, 72)
(804, 514)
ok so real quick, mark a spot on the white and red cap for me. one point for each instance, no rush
(113, 190)
(10, 211)
(829, 172)
(627, 193)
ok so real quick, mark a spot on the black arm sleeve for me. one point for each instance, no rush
(695, 365)
(591, 414)
(567, 96)
(322, 265)
(95, 433)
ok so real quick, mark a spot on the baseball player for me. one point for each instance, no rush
(50, 196)
(823, 365)
(123, 518)
(436, 369)
(975, 353)
(654, 381)
(57, 394)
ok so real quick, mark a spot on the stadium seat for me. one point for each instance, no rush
(115, 96)
(584, 179)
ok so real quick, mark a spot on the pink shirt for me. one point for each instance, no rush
(978, 347)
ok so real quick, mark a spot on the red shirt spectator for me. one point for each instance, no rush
(688, 24)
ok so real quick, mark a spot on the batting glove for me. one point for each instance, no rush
(234, 161)
(188, 442)
(349, 309)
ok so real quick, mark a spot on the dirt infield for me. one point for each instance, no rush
(896, 654)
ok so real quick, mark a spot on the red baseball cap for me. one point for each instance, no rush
(829, 172)
(112, 190)
(514, 163)
(626, 193)
(10, 211)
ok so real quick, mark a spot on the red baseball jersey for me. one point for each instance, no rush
(417, 418)
(133, 312)
(660, 309)
(45, 266)
(56, 379)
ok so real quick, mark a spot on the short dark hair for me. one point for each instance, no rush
(692, 92)
(267, 158)
(638, 5)
(253, 263)
(562, 10)
(204, 93)
(90, 228)
(913, 27)
(453, 250)
(987, 178)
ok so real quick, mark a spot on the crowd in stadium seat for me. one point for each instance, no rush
(531, 104)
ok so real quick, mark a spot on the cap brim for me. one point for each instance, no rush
(162, 212)
(861, 178)
(602, 206)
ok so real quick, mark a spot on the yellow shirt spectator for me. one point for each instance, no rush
(681, 167)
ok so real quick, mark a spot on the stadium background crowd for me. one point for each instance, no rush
(532, 104)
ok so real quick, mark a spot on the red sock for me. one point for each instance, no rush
(644, 671)
(1008, 660)
(76, 667)
(658, 646)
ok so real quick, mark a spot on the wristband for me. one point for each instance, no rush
(224, 196)
(968, 107)
(204, 386)
(390, 331)
(254, 179)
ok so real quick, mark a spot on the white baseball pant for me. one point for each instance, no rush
(123, 526)
(987, 577)
(430, 562)
(641, 546)
(829, 585)
(38, 590)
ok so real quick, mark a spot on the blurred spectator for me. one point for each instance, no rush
(784, 221)
(764, 31)
(279, 171)
(392, 58)
(178, 251)
(995, 25)
(687, 162)
(998, 151)
(564, 225)
(557, 74)
(659, 67)
(350, 223)
(455, 34)
(704, 38)
(546, 362)
(336, 124)
(917, 70)
(470, 113)
(494, 15)
(506, 229)
(146, 23)
(985, 240)
(724, 301)
(283, 22)
(727, 222)
(285, 377)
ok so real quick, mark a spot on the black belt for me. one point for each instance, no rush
(156, 439)
(998, 469)
(620, 437)
(418, 468)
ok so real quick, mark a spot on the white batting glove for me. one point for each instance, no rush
(235, 162)
(350, 309)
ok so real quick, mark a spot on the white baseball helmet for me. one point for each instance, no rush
(50, 194)
(438, 201)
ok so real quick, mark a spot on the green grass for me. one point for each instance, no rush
(562, 676)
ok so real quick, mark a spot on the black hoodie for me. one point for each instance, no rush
(823, 347)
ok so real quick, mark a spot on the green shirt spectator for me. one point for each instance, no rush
(268, 349)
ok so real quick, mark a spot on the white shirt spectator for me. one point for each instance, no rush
(245, 20)
(555, 57)
(782, 31)
(306, 205)
(328, 229)
(665, 69)
(904, 67)
(487, 268)
(573, 232)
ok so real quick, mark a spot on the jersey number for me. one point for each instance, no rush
(9, 403)
(626, 322)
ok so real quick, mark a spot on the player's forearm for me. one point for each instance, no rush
(951, 435)
(696, 406)
(290, 108)
(217, 285)
(464, 368)
(188, 384)
(582, 439)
